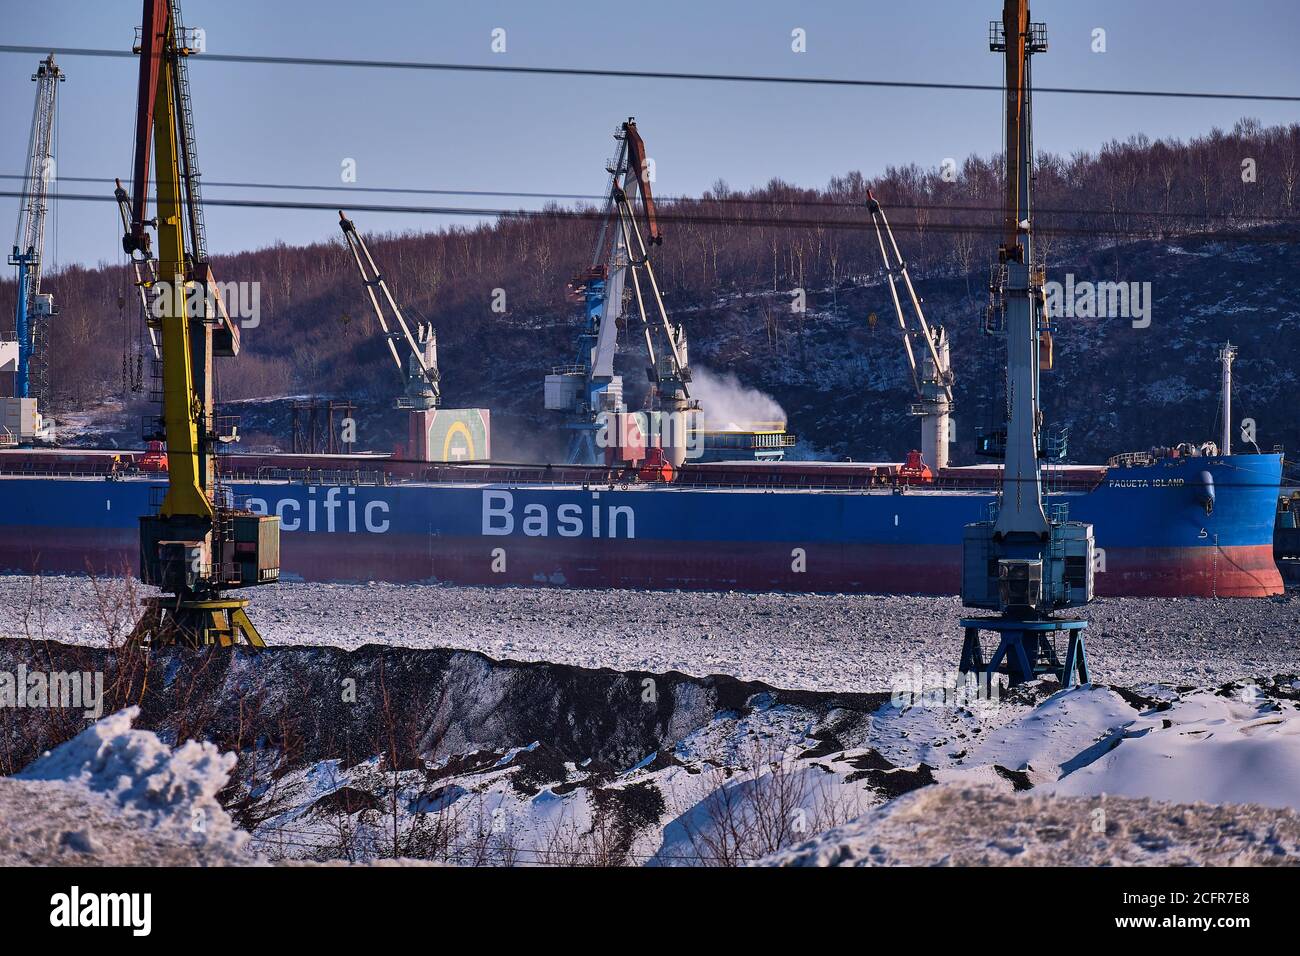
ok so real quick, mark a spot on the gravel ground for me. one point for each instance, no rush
(844, 642)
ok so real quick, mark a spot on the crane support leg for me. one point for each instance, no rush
(195, 624)
(1026, 650)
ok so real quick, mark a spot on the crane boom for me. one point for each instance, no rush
(153, 33)
(638, 167)
(932, 376)
(1021, 511)
(33, 308)
(423, 390)
(638, 244)
(164, 46)
(1016, 48)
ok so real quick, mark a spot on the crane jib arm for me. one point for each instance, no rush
(1015, 25)
(153, 36)
(639, 167)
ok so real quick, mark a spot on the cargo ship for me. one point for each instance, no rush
(1185, 521)
(1170, 523)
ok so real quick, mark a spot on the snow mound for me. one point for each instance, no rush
(1047, 741)
(1058, 734)
(949, 825)
(163, 789)
(1205, 747)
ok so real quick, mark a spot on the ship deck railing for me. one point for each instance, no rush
(857, 484)
(754, 483)
(1131, 459)
(313, 476)
(30, 471)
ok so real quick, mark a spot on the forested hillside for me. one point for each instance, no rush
(1218, 247)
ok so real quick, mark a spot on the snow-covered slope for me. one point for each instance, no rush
(950, 825)
(1205, 747)
(451, 756)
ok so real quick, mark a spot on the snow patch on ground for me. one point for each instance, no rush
(165, 789)
(1062, 733)
(1206, 747)
(115, 795)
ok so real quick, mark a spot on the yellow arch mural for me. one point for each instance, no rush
(458, 428)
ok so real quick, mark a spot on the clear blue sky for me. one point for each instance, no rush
(475, 131)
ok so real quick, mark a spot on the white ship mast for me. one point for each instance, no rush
(1226, 355)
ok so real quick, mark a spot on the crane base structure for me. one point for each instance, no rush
(195, 624)
(1027, 649)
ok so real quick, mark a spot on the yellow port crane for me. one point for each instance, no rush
(198, 545)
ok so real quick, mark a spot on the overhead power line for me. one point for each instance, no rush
(648, 74)
(721, 200)
(350, 187)
(670, 215)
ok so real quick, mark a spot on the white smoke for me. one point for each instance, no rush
(730, 406)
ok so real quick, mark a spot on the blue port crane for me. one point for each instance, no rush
(34, 308)
(1027, 561)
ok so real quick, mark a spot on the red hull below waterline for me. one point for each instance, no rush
(1232, 571)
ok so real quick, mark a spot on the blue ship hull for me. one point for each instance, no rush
(1156, 535)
